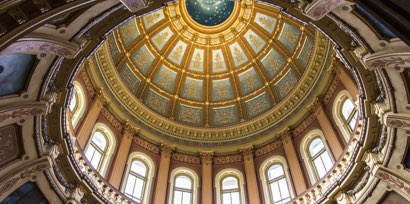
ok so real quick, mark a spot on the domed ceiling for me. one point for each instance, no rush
(212, 65)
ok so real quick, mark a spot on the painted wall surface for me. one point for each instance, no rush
(14, 71)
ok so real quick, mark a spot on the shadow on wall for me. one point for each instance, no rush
(14, 71)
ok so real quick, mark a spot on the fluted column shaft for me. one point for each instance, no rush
(293, 162)
(163, 172)
(251, 181)
(206, 159)
(121, 157)
(86, 127)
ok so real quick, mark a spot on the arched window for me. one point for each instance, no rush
(316, 154)
(277, 187)
(229, 187)
(135, 183)
(138, 177)
(184, 184)
(320, 157)
(77, 104)
(345, 114)
(97, 149)
(100, 147)
(230, 190)
(183, 190)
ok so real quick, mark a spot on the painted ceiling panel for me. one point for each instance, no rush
(131, 81)
(289, 36)
(129, 31)
(14, 72)
(142, 59)
(273, 63)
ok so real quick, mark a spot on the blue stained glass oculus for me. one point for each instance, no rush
(209, 12)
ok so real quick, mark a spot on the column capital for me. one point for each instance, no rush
(285, 135)
(336, 64)
(247, 151)
(314, 106)
(100, 96)
(167, 149)
(206, 157)
(127, 127)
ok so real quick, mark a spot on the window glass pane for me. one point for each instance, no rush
(177, 197)
(326, 160)
(138, 188)
(284, 190)
(275, 193)
(89, 153)
(99, 140)
(235, 198)
(321, 171)
(95, 160)
(229, 183)
(183, 182)
(139, 168)
(226, 198)
(186, 198)
(316, 146)
(129, 187)
(73, 101)
(352, 123)
(275, 171)
(347, 108)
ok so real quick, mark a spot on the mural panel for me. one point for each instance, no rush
(197, 61)
(289, 36)
(142, 59)
(177, 52)
(192, 89)
(14, 72)
(255, 41)
(266, 22)
(129, 31)
(165, 79)
(238, 55)
(128, 77)
(287, 83)
(258, 105)
(157, 102)
(153, 18)
(250, 81)
(162, 37)
(224, 115)
(221, 90)
(273, 63)
(218, 61)
(190, 114)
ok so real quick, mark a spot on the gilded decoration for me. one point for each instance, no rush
(258, 105)
(128, 77)
(289, 36)
(189, 114)
(240, 79)
(142, 59)
(129, 31)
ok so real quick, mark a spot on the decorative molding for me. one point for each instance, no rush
(304, 125)
(331, 91)
(228, 159)
(392, 59)
(146, 145)
(43, 45)
(320, 8)
(186, 158)
(395, 120)
(314, 106)
(268, 148)
(13, 112)
(112, 120)
(23, 174)
(135, 5)
(206, 157)
(393, 180)
(166, 150)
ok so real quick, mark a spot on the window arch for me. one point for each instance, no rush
(275, 179)
(316, 155)
(137, 180)
(345, 114)
(77, 104)
(184, 184)
(229, 184)
(100, 147)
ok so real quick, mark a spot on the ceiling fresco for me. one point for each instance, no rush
(236, 72)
